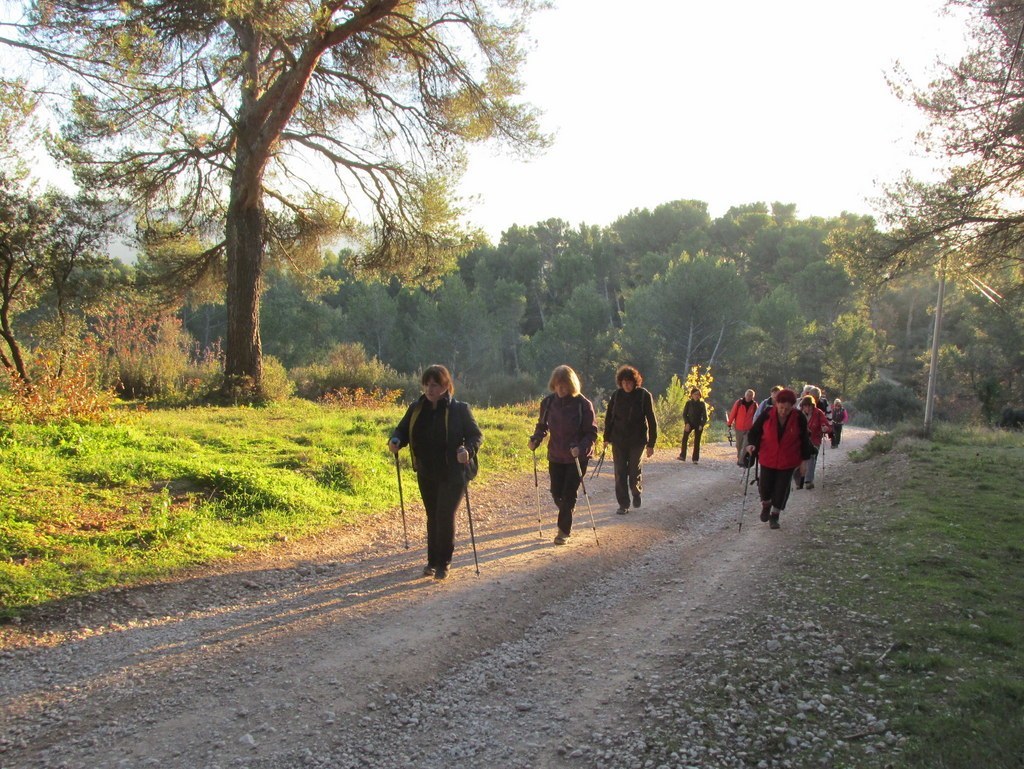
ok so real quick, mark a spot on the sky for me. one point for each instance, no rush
(724, 101)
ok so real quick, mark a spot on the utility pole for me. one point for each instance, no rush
(933, 366)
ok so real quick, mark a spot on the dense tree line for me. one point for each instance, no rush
(756, 294)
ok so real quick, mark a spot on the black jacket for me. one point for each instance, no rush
(630, 419)
(459, 428)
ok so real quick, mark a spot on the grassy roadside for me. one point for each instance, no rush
(940, 562)
(83, 507)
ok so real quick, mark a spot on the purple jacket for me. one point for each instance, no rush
(568, 422)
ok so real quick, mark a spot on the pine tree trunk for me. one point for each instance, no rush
(243, 358)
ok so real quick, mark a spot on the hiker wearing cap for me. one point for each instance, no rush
(780, 439)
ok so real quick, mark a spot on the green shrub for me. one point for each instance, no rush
(345, 368)
(888, 403)
(277, 386)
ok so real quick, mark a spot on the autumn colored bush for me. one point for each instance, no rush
(59, 390)
(146, 352)
(358, 398)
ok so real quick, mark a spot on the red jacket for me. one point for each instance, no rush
(783, 452)
(741, 415)
(818, 425)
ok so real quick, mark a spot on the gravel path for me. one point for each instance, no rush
(676, 642)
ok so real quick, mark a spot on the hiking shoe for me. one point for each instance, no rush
(441, 572)
(800, 485)
(621, 511)
(636, 500)
(695, 461)
(774, 523)
(765, 511)
(810, 485)
(561, 537)
(428, 571)
(681, 457)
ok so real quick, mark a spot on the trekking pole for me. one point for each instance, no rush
(746, 486)
(823, 463)
(600, 463)
(469, 514)
(586, 496)
(401, 501)
(536, 489)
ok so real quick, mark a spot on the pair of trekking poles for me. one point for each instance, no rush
(469, 510)
(583, 484)
(752, 461)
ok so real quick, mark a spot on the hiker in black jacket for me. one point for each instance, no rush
(695, 416)
(631, 428)
(443, 439)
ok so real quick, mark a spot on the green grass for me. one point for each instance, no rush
(90, 506)
(947, 576)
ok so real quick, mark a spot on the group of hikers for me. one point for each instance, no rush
(781, 435)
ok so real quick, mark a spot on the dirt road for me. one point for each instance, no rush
(336, 652)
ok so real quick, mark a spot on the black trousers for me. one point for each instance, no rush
(697, 432)
(774, 486)
(837, 435)
(565, 484)
(442, 494)
(628, 461)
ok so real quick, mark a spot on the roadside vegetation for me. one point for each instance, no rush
(92, 505)
(940, 562)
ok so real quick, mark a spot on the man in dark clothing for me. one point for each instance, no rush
(631, 428)
(695, 416)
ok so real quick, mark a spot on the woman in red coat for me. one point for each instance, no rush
(782, 443)
(817, 426)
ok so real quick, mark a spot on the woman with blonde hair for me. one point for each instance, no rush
(569, 421)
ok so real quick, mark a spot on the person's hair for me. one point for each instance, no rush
(696, 390)
(777, 389)
(837, 401)
(752, 394)
(628, 372)
(785, 395)
(565, 374)
(439, 374)
(815, 391)
(807, 400)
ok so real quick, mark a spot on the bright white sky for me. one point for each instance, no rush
(724, 101)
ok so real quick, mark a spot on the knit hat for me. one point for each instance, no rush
(785, 395)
